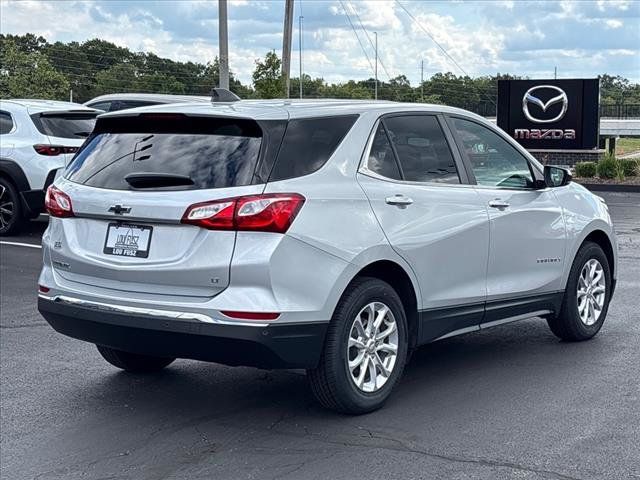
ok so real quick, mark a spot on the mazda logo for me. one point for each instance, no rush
(530, 98)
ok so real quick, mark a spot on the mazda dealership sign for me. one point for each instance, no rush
(550, 114)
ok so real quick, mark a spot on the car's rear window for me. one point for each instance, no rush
(308, 143)
(65, 125)
(211, 153)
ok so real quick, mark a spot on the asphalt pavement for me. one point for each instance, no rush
(509, 402)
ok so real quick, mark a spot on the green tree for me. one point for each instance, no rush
(29, 74)
(267, 77)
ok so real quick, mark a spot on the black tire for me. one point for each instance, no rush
(10, 223)
(133, 362)
(567, 325)
(331, 381)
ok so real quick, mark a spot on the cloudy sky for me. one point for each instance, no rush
(581, 38)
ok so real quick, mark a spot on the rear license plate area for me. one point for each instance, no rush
(128, 240)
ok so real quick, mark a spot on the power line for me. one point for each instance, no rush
(368, 37)
(425, 30)
(356, 34)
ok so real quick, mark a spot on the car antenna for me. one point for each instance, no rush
(223, 95)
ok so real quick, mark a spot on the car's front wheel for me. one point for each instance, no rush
(365, 349)
(133, 362)
(586, 298)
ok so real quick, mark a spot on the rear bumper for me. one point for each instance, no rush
(270, 346)
(33, 200)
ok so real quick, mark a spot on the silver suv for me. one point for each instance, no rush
(334, 236)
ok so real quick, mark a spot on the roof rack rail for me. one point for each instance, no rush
(223, 95)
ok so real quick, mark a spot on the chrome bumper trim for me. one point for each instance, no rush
(151, 312)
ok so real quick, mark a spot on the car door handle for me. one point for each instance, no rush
(399, 199)
(498, 203)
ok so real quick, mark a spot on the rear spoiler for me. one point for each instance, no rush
(55, 113)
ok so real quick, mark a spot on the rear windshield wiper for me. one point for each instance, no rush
(82, 134)
(157, 180)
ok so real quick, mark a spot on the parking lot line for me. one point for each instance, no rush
(20, 244)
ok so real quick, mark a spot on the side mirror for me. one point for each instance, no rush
(556, 176)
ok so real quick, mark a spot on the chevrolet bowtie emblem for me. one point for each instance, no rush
(119, 209)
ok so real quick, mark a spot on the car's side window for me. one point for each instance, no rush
(381, 158)
(6, 123)
(494, 161)
(422, 149)
(104, 106)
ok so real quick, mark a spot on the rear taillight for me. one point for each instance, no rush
(58, 203)
(263, 213)
(53, 150)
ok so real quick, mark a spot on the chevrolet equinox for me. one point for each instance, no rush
(332, 236)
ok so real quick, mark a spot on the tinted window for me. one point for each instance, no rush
(124, 104)
(6, 123)
(65, 125)
(308, 143)
(494, 161)
(211, 153)
(381, 158)
(422, 149)
(104, 106)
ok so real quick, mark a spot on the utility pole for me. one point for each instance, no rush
(422, 81)
(376, 67)
(286, 44)
(555, 73)
(300, 49)
(223, 43)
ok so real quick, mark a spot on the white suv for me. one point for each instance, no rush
(37, 137)
(334, 236)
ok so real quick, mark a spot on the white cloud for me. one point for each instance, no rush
(613, 23)
(483, 37)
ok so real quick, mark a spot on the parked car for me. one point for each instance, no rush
(334, 236)
(121, 101)
(37, 137)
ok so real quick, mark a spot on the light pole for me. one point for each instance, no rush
(300, 49)
(223, 43)
(286, 45)
(376, 66)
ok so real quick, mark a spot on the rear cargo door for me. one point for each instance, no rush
(66, 130)
(130, 187)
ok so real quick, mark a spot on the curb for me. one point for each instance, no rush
(604, 187)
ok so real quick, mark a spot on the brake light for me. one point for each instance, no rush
(58, 203)
(43, 289)
(54, 150)
(263, 213)
(250, 315)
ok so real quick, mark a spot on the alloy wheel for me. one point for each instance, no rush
(372, 349)
(591, 292)
(7, 207)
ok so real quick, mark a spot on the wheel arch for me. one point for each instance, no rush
(12, 172)
(399, 279)
(602, 239)
(600, 235)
